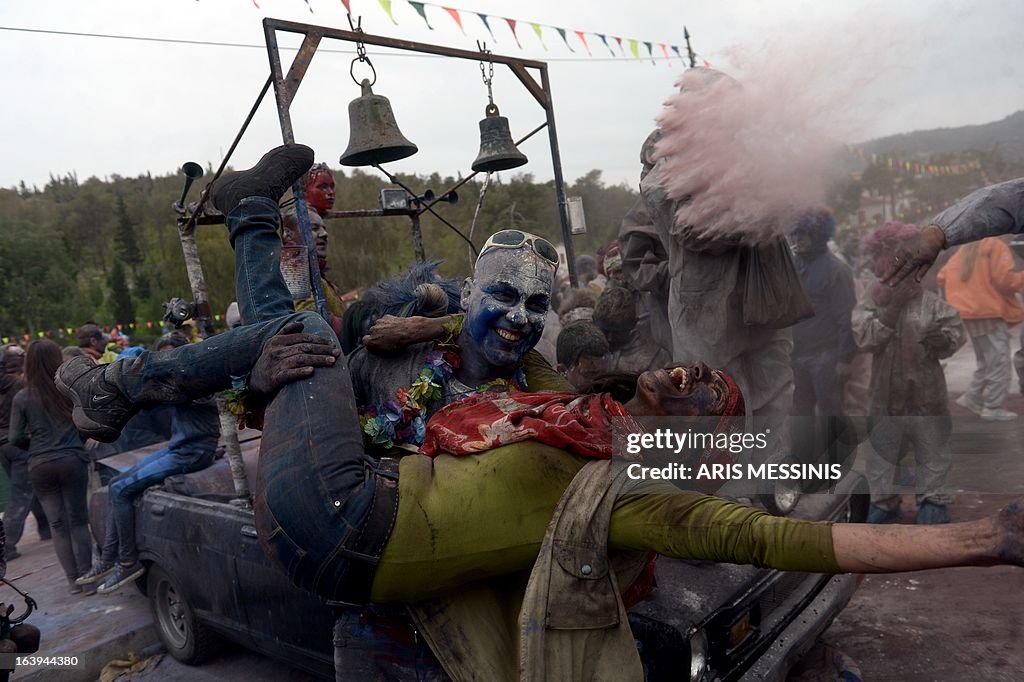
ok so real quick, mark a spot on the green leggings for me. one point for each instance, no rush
(467, 518)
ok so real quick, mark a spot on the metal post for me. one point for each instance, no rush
(195, 278)
(233, 452)
(556, 162)
(284, 95)
(417, 238)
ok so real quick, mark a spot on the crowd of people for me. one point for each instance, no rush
(462, 412)
(48, 462)
(428, 397)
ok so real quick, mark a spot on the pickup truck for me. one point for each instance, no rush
(208, 578)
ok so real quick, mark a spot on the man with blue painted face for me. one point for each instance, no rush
(489, 347)
(350, 527)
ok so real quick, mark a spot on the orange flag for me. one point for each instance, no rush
(583, 39)
(455, 15)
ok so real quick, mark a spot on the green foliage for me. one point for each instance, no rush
(121, 306)
(108, 249)
(127, 246)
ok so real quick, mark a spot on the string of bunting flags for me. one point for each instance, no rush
(912, 166)
(626, 46)
(71, 332)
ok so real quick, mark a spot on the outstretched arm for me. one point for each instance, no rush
(864, 548)
(987, 212)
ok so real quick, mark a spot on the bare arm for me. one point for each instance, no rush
(866, 548)
(391, 334)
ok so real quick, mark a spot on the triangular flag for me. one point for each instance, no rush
(512, 26)
(619, 41)
(650, 51)
(483, 18)
(348, 8)
(561, 32)
(605, 41)
(455, 15)
(675, 48)
(420, 10)
(664, 51)
(309, 6)
(536, 29)
(583, 39)
(386, 4)
(707, 64)
(256, 3)
(634, 48)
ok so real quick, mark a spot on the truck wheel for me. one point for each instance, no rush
(187, 639)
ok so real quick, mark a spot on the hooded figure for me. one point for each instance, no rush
(823, 345)
(704, 281)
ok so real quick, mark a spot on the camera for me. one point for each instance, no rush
(177, 311)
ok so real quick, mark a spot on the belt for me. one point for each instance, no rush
(364, 554)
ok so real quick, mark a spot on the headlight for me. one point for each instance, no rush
(698, 656)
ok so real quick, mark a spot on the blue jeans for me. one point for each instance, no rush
(119, 542)
(315, 484)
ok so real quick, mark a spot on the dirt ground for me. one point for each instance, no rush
(953, 624)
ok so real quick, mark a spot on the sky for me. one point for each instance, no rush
(103, 106)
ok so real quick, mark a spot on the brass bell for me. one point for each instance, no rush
(373, 137)
(497, 150)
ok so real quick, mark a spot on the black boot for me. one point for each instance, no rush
(270, 177)
(100, 410)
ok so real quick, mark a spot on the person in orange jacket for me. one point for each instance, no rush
(980, 282)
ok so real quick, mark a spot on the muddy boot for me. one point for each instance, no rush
(100, 409)
(270, 177)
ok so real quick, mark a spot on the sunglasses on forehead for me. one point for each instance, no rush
(514, 239)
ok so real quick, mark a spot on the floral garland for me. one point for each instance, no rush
(403, 419)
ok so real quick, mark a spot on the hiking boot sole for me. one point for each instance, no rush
(86, 426)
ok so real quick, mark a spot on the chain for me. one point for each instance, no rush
(360, 52)
(487, 73)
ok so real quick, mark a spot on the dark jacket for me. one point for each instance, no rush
(829, 285)
(47, 437)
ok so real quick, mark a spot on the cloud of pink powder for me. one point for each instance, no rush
(749, 152)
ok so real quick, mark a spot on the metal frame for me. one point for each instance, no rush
(286, 86)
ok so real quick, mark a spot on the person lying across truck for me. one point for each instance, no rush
(349, 527)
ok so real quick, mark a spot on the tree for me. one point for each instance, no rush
(124, 235)
(123, 308)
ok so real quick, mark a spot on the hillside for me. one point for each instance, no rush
(1008, 134)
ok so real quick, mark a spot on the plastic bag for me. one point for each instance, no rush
(772, 293)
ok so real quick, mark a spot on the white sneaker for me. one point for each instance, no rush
(999, 415)
(965, 402)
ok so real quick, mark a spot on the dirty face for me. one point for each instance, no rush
(804, 242)
(316, 224)
(292, 236)
(683, 391)
(506, 301)
(320, 191)
(586, 369)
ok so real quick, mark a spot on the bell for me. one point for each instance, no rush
(373, 137)
(497, 150)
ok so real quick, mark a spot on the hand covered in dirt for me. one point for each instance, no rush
(1009, 523)
(391, 334)
(914, 256)
(289, 356)
(935, 340)
(897, 299)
